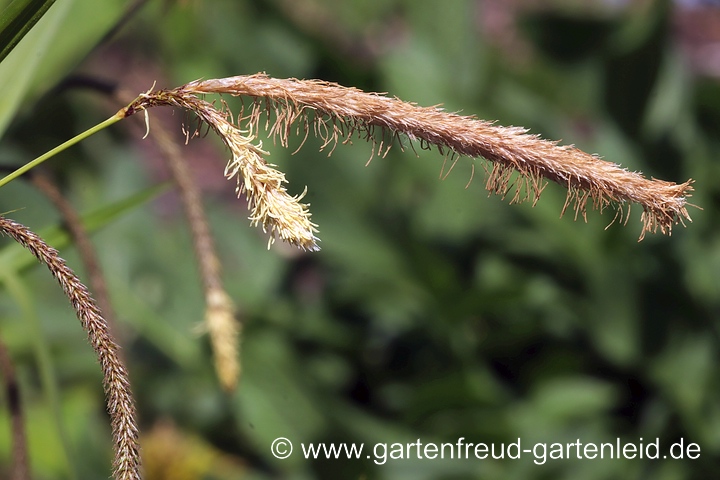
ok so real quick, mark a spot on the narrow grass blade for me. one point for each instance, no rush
(17, 19)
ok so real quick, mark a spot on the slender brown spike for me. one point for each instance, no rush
(664, 203)
(20, 469)
(220, 321)
(120, 402)
(220, 312)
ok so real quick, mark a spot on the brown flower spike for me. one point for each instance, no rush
(335, 113)
(220, 312)
(120, 404)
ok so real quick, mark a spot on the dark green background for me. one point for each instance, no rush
(432, 312)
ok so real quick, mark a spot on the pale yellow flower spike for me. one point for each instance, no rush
(271, 206)
(224, 333)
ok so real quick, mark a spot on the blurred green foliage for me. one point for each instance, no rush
(432, 312)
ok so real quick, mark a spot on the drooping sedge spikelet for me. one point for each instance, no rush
(335, 113)
(508, 148)
(120, 402)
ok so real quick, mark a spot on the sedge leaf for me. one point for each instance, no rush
(17, 19)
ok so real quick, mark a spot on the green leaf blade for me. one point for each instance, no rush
(17, 19)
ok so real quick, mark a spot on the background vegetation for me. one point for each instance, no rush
(432, 311)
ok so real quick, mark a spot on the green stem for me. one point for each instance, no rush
(30, 165)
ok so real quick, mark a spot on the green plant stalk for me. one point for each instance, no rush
(34, 163)
(48, 379)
